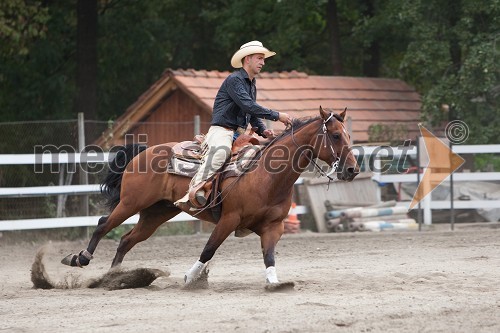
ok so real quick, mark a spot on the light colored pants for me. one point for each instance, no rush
(217, 149)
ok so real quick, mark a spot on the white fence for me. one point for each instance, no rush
(428, 204)
(375, 153)
(38, 191)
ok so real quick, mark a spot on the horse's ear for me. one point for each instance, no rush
(342, 114)
(323, 113)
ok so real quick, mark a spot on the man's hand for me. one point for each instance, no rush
(269, 133)
(285, 118)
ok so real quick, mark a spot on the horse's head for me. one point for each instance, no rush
(335, 145)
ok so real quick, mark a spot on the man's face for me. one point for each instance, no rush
(256, 62)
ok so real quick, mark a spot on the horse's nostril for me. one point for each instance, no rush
(352, 171)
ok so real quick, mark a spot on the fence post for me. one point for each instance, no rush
(61, 198)
(452, 208)
(197, 125)
(419, 216)
(84, 180)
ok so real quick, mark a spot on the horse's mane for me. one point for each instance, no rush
(297, 124)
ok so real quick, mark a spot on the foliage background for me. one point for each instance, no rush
(447, 49)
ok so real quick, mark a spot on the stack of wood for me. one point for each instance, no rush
(384, 216)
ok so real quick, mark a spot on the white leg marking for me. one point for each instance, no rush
(271, 276)
(194, 273)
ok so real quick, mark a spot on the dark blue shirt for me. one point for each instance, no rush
(235, 104)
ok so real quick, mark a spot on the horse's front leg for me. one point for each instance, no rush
(222, 230)
(269, 237)
(268, 240)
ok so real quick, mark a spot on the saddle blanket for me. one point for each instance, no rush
(240, 163)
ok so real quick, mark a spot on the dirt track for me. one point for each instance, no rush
(433, 281)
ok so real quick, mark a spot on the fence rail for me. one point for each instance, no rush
(429, 204)
(40, 191)
(55, 158)
(375, 153)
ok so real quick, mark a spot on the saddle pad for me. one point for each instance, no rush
(188, 150)
(183, 167)
(236, 167)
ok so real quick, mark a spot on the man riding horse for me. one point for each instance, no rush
(234, 108)
(257, 200)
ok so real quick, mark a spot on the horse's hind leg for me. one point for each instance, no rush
(105, 225)
(150, 219)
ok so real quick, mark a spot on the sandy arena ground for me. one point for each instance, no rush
(432, 281)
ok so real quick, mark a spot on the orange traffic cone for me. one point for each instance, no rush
(292, 223)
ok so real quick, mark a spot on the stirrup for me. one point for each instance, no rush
(199, 196)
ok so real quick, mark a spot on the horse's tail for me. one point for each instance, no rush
(111, 185)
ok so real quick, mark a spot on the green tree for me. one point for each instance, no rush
(36, 83)
(448, 50)
(86, 58)
(138, 40)
(452, 59)
(21, 23)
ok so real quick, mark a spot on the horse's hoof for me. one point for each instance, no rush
(199, 282)
(81, 259)
(69, 260)
(280, 286)
(196, 285)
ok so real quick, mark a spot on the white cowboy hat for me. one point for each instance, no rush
(249, 48)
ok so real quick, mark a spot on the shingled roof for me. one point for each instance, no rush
(369, 100)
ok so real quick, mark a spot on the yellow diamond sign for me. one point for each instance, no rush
(442, 163)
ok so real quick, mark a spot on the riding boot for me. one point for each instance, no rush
(197, 195)
(200, 197)
(196, 199)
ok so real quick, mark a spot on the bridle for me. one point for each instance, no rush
(335, 165)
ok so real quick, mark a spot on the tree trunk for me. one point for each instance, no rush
(334, 35)
(454, 15)
(371, 59)
(371, 62)
(86, 57)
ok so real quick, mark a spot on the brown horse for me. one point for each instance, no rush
(259, 200)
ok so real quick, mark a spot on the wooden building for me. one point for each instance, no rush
(166, 111)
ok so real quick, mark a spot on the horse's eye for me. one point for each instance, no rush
(336, 136)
